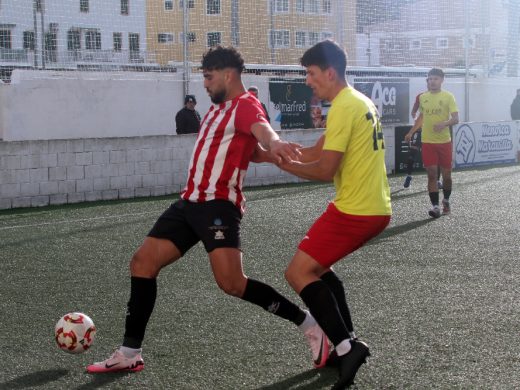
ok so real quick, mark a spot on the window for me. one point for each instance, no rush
(190, 37)
(470, 42)
(389, 45)
(300, 6)
(326, 35)
(83, 6)
(125, 7)
(92, 40)
(314, 6)
(168, 5)
(28, 40)
(415, 44)
(442, 43)
(299, 40)
(118, 41)
(213, 7)
(165, 37)
(281, 5)
(326, 6)
(314, 38)
(5, 39)
(191, 4)
(73, 39)
(214, 39)
(279, 38)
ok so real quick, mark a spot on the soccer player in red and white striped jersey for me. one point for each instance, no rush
(233, 133)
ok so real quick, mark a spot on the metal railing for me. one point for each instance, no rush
(68, 58)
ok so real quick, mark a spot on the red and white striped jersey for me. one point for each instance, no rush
(223, 150)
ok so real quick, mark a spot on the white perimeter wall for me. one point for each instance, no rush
(72, 105)
(53, 172)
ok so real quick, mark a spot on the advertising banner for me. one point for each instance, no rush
(291, 104)
(402, 151)
(391, 97)
(484, 143)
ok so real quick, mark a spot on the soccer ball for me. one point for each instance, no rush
(75, 332)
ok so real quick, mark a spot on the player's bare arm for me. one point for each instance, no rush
(260, 155)
(312, 153)
(416, 126)
(452, 121)
(322, 169)
(281, 151)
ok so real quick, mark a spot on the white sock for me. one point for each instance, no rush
(308, 322)
(130, 352)
(343, 348)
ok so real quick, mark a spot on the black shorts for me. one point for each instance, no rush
(216, 223)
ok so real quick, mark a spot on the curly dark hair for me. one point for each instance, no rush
(219, 57)
(326, 54)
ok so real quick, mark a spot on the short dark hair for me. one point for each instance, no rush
(436, 72)
(326, 54)
(190, 99)
(219, 57)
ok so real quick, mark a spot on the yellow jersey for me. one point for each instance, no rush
(353, 128)
(435, 108)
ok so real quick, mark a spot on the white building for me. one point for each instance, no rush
(443, 33)
(75, 33)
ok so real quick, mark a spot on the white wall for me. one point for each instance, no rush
(69, 105)
(51, 172)
(88, 105)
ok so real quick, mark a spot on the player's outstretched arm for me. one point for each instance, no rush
(260, 155)
(281, 151)
(322, 169)
(312, 153)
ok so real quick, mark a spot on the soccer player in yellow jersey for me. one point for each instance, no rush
(351, 153)
(438, 112)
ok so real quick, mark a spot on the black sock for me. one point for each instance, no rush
(322, 305)
(268, 298)
(409, 165)
(338, 290)
(447, 194)
(143, 292)
(434, 198)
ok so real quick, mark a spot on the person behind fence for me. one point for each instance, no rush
(210, 210)
(515, 107)
(253, 90)
(438, 111)
(187, 120)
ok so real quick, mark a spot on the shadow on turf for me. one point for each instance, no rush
(322, 378)
(396, 230)
(40, 378)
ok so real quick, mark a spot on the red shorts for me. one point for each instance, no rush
(437, 155)
(335, 234)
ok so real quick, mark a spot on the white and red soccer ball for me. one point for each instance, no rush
(75, 332)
